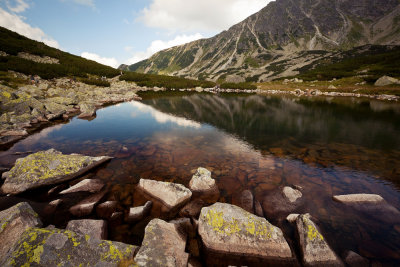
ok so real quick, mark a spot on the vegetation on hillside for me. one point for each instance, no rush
(369, 62)
(70, 65)
(169, 82)
(241, 86)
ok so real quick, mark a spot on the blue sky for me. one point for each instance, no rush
(122, 31)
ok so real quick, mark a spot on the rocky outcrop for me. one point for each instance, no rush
(86, 185)
(38, 59)
(386, 80)
(163, 245)
(314, 249)
(54, 247)
(138, 213)
(93, 228)
(47, 168)
(203, 186)
(172, 195)
(230, 230)
(88, 110)
(13, 222)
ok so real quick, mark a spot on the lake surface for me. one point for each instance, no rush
(328, 146)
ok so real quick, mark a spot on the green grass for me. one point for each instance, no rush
(169, 82)
(241, 86)
(70, 65)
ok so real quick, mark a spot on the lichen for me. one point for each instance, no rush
(113, 252)
(312, 232)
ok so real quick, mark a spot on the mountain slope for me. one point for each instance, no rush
(272, 42)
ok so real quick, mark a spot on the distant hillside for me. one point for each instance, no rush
(281, 39)
(13, 44)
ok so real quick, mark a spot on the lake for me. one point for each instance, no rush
(327, 146)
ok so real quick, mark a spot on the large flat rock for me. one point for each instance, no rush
(163, 245)
(314, 249)
(230, 230)
(94, 228)
(47, 168)
(55, 247)
(171, 194)
(204, 186)
(13, 222)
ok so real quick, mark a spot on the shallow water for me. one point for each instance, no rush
(327, 146)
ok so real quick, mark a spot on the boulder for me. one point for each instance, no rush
(138, 213)
(292, 217)
(313, 247)
(94, 228)
(373, 205)
(247, 201)
(258, 209)
(203, 186)
(13, 222)
(193, 208)
(106, 209)
(352, 259)
(47, 168)
(282, 202)
(230, 230)
(163, 245)
(55, 247)
(172, 195)
(185, 226)
(55, 109)
(386, 80)
(87, 110)
(86, 185)
(86, 206)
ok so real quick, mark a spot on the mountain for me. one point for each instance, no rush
(282, 38)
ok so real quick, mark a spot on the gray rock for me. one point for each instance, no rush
(138, 213)
(386, 80)
(94, 228)
(291, 194)
(359, 199)
(106, 209)
(230, 230)
(352, 259)
(162, 245)
(86, 206)
(87, 110)
(203, 186)
(172, 195)
(47, 168)
(55, 247)
(86, 185)
(13, 222)
(315, 251)
(55, 109)
(292, 217)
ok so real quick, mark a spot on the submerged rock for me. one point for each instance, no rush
(203, 186)
(138, 213)
(291, 194)
(13, 222)
(373, 205)
(171, 194)
(193, 208)
(94, 228)
(106, 209)
(282, 202)
(47, 168)
(86, 185)
(54, 247)
(313, 247)
(163, 245)
(352, 259)
(230, 230)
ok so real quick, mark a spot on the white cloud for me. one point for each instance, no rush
(159, 45)
(112, 62)
(194, 15)
(15, 23)
(17, 6)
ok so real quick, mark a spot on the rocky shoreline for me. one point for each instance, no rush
(187, 226)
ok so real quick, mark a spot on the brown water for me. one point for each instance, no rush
(327, 146)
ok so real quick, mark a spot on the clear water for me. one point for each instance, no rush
(327, 146)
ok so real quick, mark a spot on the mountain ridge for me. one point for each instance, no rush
(271, 43)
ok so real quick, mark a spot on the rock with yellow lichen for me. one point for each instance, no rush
(47, 168)
(13, 222)
(55, 247)
(230, 230)
(314, 249)
(163, 245)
